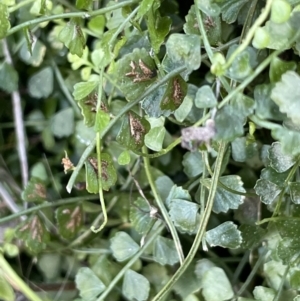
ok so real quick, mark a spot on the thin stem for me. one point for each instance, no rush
(202, 227)
(83, 15)
(64, 89)
(208, 48)
(282, 282)
(163, 209)
(101, 197)
(122, 26)
(47, 205)
(264, 14)
(88, 232)
(258, 263)
(19, 122)
(9, 201)
(98, 147)
(125, 109)
(113, 283)
(244, 84)
(13, 278)
(248, 22)
(19, 5)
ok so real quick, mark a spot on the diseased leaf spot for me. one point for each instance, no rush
(104, 166)
(141, 73)
(177, 92)
(209, 23)
(136, 128)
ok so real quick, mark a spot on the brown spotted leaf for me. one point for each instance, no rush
(174, 94)
(34, 234)
(69, 220)
(108, 173)
(35, 191)
(133, 131)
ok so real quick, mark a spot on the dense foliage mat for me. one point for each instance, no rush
(150, 150)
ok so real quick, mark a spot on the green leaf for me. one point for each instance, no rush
(287, 248)
(252, 236)
(156, 274)
(230, 9)
(124, 158)
(140, 216)
(164, 251)
(177, 193)
(88, 284)
(72, 37)
(295, 280)
(97, 24)
(225, 235)
(108, 173)
(83, 134)
(280, 34)
(123, 246)
(158, 28)
(114, 18)
(202, 266)
(34, 234)
(174, 94)
(102, 120)
(225, 200)
(8, 78)
(164, 185)
(133, 130)
(134, 73)
(265, 107)
(243, 105)
(187, 283)
(84, 89)
(286, 93)
(267, 191)
(271, 175)
(155, 138)
(35, 58)
(294, 188)
(69, 220)
(135, 286)
(280, 11)
(205, 98)
(4, 20)
(184, 110)
(88, 104)
(229, 124)
(212, 26)
(243, 150)
(6, 290)
(209, 7)
(215, 285)
(289, 139)
(184, 215)
(62, 123)
(192, 164)
(243, 64)
(151, 103)
(182, 50)
(264, 293)
(35, 191)
(278, 67)
(84, 4)
(144, 7)
(40, 84)
(261, 38)
(278, 160)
